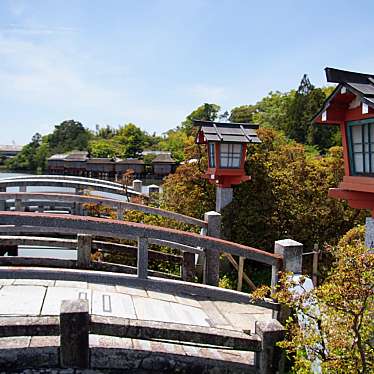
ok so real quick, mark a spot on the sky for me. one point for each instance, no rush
(152, 62)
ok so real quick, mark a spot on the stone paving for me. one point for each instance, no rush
(34, 297)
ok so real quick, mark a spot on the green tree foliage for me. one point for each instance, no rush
(69, 135)
(206, 112)
(104, 148)
(187, 192)
(288, 196)
(176, 141)
(32, 157)
(132, 139)
(307, 101)
(340, 332)
(243, 113)
(272, 110)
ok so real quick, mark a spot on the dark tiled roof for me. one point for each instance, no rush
(163, 159)
(11, 148)
(77, 156)
(99, 160)
(359, 84)
(130, 161)
(230, 132)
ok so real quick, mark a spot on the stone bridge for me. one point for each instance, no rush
(103, 316)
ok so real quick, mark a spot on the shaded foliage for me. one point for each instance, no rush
(288, 196)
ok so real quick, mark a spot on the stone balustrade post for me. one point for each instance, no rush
(2, 202)
(137, 185)
(292, 252)
(74, 328)
(18, 205)
(153, 189)
(84, 245)
(120, 212)
(211, 268)
(270, 359)
(188, 267)
(142, 260)
(22, 188)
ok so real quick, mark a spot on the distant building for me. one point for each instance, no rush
(163, 164)
(79, 163)
(122, 166)
(8, 151)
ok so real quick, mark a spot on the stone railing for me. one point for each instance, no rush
(86, 228)
(75, 324)
(78, 185)
(65, 177)
(47, 200)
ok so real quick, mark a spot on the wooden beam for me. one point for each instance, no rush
(236, 266)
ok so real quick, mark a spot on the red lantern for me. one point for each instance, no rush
(227, 149)
(351, 106)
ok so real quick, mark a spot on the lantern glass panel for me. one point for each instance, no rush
(230, 155)
(212, 158)
(361, 147)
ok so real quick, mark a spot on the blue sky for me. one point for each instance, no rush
(153, 62)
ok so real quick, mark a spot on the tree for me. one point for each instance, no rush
(272, 110)
(333, 324)
(32, 156)
(288, 196)
(176, 141)
(104, 148)
(306, 103)
(132, 139)
(205, 112)
(243, 113)
(188, 182)
(69, 135)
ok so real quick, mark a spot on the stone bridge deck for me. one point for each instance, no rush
(20, 296)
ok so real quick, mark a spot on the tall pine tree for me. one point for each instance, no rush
(307, 101)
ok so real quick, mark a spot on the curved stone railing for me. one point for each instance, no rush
(126, 230)
(79, 186)
(47, 198)
(66, 177)
(187, 242)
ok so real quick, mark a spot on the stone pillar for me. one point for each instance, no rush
(120, 212)
(188, 267)
(211, 270)
(142, 260)
(18, 205)
(74, 327)
(223, 197)
(153, 189)
(137, 185)
(270, 359)
(2, 202)
(292, 252)
(84, 251)
(22, 188)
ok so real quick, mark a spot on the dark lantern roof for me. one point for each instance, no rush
(228, 132)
